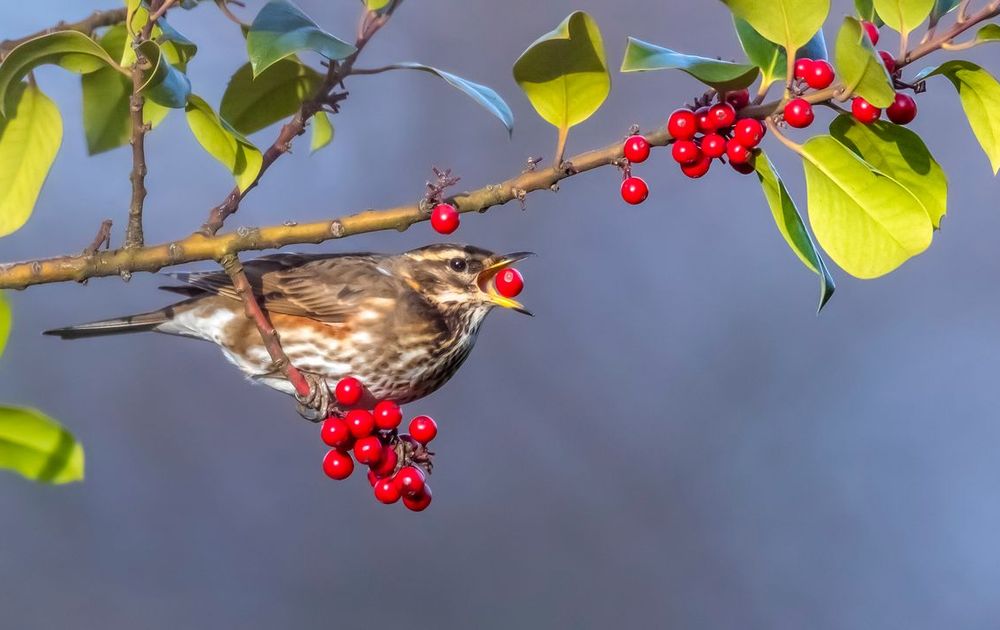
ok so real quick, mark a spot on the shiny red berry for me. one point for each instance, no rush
(338, 465)
(387, 490)
(722, 116)
(802, 68)
(348, 391)
(698, 169)
(360, 422)
(411, 480)
(888, 60)
(423, 429)
(685, 152)
(799, 113)
(444, 218)
(744, 168)
(420, 502)
(387, 415)
(736, 152)
(682, 124)
(820, 75)
(387, 463)
(864, 112)
(372, 477)
(738, 99)
(636, 149)
(903, 110)
(634, 190)
(509, 282)
(748, 132)
(872, 31)
(368, 450)
(713, 146)
(336, 433)
(704, 119)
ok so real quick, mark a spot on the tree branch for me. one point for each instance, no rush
(88, 25)
(925, 48)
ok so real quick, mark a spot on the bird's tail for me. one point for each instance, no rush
(144, 322)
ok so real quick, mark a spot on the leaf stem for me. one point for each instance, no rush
(557, 162)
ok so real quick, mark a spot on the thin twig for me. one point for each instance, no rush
(87, 25)
(103, 238)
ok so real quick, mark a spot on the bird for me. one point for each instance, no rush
(403, 324)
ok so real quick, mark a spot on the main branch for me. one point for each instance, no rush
(88, 25)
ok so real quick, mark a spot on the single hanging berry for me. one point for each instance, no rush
(864, 112)
(444, 218)
(336, 433)
(388, 415)
(799, 113)
(682, 125)
(903, 110)
(420, 502)
(636, 149)
(820, 75)
(634, 190)
(423, 429)
(338, 465)
(748, 132)
(387, 491)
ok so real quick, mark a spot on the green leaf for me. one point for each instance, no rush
(724, 76)
(941, 9)
(38, 448)
(770, 57)
(860, 67)
(29, 142)
(71, 50)
(979, 93)
(376, 5)
(6, 317)
(903, 15)
(988, 33)
(866, 221)
(790, 23)
(791, 226)
(901, 154)
(866, 11)
(251, 104)
(281, 29)
(164, 83)
(223, 142)
(178, 48)
(564, 73)
(481, 94)
(322, 132)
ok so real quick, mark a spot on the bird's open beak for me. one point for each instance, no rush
(485, 281)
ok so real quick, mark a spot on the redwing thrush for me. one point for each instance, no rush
(403, 324)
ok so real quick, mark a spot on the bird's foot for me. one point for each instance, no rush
(316, 406)
(410, 452)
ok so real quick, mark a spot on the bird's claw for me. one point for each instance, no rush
(316, 406)
(412, 453)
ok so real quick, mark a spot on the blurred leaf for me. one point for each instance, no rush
(867, 222)
(979, 93)
(866, 11)
(281, 29)
(322, 132)
(223, 142)
(790, 23)
(901, 154)
(29, 142)
(724, 76)
(791, 226)
(564, 73)
(376, 5)
(38, 447)
(251, 104)
(164, 84)
(6, 317)
(860, 67)
(988, 33)
(941, 9)
(770, 57)
(903, 15)
(73, 51)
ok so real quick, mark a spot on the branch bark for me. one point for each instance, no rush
(87, 25)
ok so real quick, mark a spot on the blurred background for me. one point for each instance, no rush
(676, 440)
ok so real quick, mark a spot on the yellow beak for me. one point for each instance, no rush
(485, 281)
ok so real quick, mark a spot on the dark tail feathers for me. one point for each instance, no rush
(144, 322)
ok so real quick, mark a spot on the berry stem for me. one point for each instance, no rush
(937, 42)
(785, 140)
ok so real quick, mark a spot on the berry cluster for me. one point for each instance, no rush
(395, 462)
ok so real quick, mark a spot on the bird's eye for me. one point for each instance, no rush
(458, 264)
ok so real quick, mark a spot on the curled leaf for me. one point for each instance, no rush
(281, 29)
(724, 76)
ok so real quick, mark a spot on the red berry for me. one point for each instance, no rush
(748, 132)
(509, 283)
(423, 429)
(387, 415)
(685, 152)
(411, 480)
(704, 119)
(713, 146)
(820, 75)
(386, 464)
(336, 433)
(682, 124)
(903, 110)
(864, 111)
(372, 477)
(802, 68)
(888, 60)
(419, 502)
(738, 99)
(698, 169)
(722, 115)
(368, 450)
(387, 491)
(636, 149)
(799, 113)
(872, 31)
(360, 422)
(634, 190)
(737, 153)
(338, 465)
(746, 167)
(348, 391)
(444, 218)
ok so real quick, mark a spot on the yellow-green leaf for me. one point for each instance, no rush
(223, 142)
(790, 23)
(251, 104)
(29, 141)
(724, 76)
(903, 15)
(860, 68)
(38, 448)
(565, 73)
(988, 33)
(6, 317)
(376, 5)
(163, 83)
(866, 221)
(322, 131)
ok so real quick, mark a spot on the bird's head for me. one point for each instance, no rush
(459, 276)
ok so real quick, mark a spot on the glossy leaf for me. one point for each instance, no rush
(223, 142)
(860, 67)
(979, 93)
(902, 155)
(792, 227)
(770, 57)
(988, 33)
(251, 104)
(322, 132)
(38, 448)
(29, 141)
(6, 317)
(564, 73)
(903, 15)
(866, 11)
(941, 9)
(281, 29)
(790, 23)
(724, 76)
(163, 83)
(178, 48)
(866, 221)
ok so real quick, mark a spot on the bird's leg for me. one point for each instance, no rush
(316, 406)
(412, 453)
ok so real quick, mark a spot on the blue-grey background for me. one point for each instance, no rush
(676, 440)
